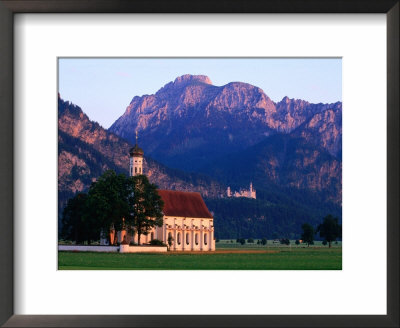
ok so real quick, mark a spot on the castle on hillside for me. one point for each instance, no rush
(186, 221)
(251, 193)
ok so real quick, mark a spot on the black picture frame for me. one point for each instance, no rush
(10, 7)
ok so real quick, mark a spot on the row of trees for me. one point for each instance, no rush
(329, 229)
(114, 201)
(242, 241)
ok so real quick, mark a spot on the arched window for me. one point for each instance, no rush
(140, 170)
(179, 238)
(205, 239)
(187, 238)
(152, 236)
(196, 238)
(135, 169)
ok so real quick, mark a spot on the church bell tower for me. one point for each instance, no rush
(136, 159)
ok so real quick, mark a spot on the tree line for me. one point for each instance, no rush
(330, 230)
(114, 202)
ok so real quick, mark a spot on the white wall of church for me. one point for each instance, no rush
(190, 234)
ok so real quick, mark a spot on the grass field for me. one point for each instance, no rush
(228, 256)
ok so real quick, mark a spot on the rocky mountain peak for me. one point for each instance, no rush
(198, 116)
(188, 78)
(184, 81)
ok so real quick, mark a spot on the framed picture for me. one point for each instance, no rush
(49, 57)
(203, 144)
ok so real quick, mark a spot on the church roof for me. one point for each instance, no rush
(136, 151)
(183, 203)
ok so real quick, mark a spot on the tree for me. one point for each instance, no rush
(75, 227)
(170, 241)
(147, 205)
(242, 241)
(109, 204)
(285, 241)
(250, 240)
(330, 229)
(157, 242)
(264, 241)
(114, 203)
(297, 242)
(308, 234)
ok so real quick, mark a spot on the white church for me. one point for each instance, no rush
(186, 221)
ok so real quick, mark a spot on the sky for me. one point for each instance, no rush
(104, 87)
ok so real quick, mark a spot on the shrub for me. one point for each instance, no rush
(217, 240)
(264, 241)
(297, 242)
(285, 241)
(157, 242)
(324, 243)
(171, 240)
(132, 243)
(250, 240)
(242, 241)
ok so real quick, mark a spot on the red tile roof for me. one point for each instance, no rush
(183, 203)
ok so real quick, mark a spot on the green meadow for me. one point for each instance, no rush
(228, 256)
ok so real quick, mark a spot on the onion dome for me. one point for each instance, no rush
(136, 151)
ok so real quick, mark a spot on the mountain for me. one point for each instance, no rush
(190, 122)
(282, 161)
(308, 158)
(324, 129)
(204, 138)
(86, 150)
(237, 134)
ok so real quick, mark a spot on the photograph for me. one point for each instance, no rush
(199, 163)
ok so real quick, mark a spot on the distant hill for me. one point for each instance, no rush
(279, 217)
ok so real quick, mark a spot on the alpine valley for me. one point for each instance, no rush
(201, 137)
